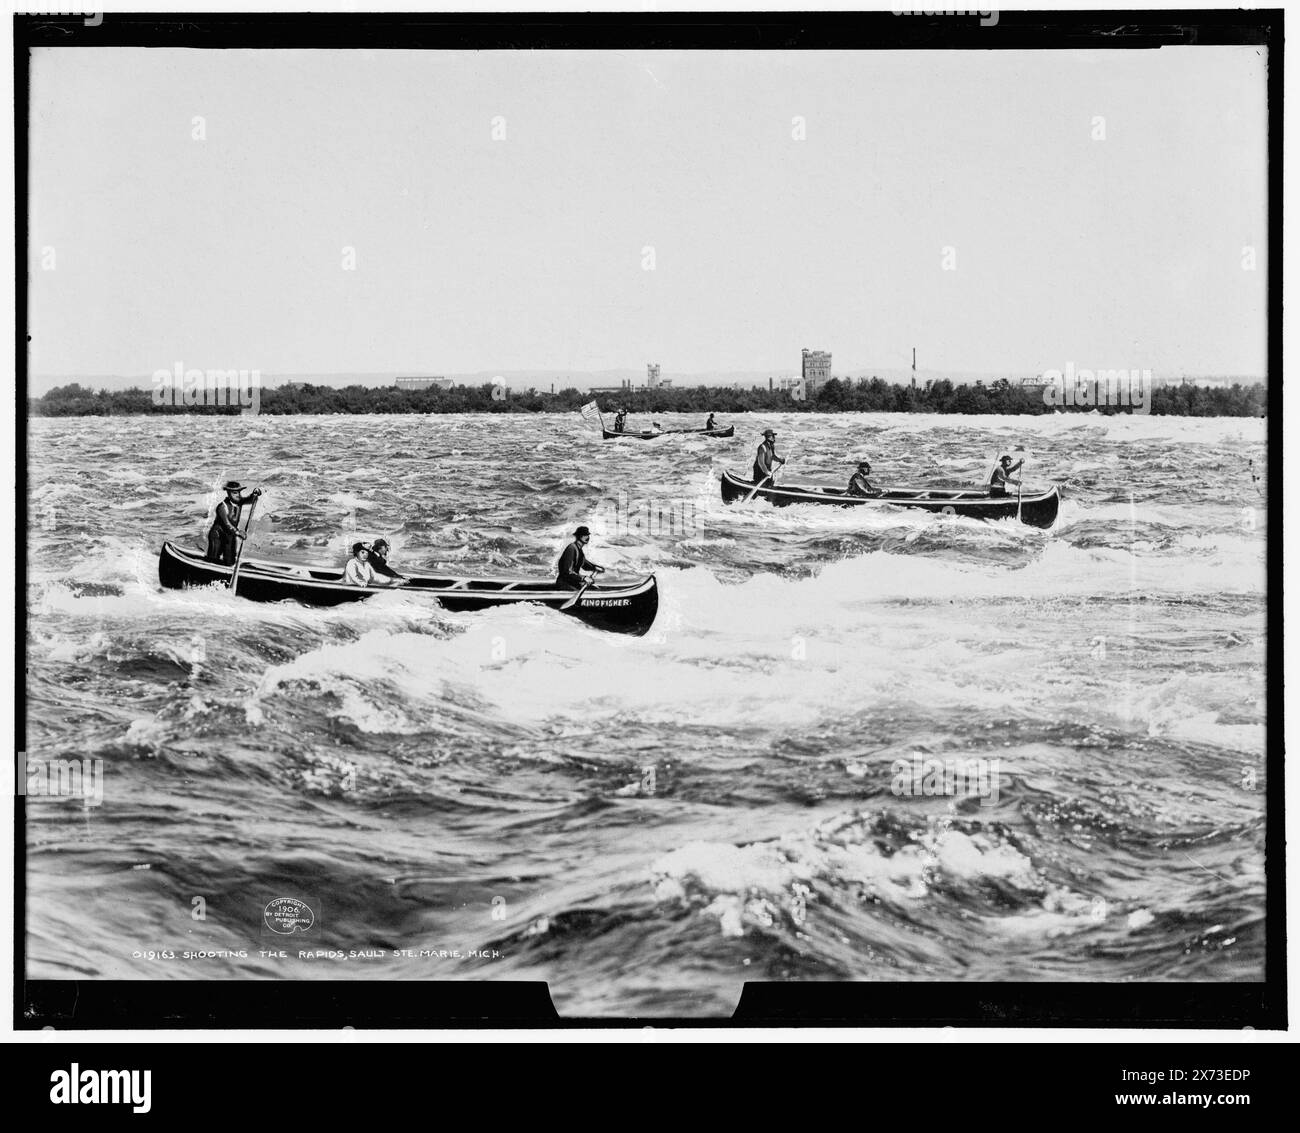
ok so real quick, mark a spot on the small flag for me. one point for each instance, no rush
(590, 411)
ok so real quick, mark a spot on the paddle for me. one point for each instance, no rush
(1025, 454)
(239, 553)
(578, 593)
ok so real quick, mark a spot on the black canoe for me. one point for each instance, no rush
(1038, 509)
(611, 435)
(621, 609)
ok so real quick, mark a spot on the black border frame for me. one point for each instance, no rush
(141, 1004)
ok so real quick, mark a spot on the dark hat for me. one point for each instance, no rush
(769, 433)
(864, 463)
(581, 532)
(1005, 460)
(360, 547)
(379, 543)
(233, 485)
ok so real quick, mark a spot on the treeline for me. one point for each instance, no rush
(864, 395)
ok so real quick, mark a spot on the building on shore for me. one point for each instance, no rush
(423, 383)
(652, 378)
(816, 370)
(652, 381)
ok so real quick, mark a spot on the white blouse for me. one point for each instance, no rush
(358, 573)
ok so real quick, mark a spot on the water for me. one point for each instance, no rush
(648, 822)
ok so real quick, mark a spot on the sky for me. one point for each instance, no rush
(710, 211)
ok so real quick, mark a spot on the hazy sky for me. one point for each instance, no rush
(526, 252)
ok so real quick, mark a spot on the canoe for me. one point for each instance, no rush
(611, 435)
(1037, 508)
(627, 609)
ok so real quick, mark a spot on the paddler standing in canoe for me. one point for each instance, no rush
(1002, 476)
(620, 420)
(766, 458)
(574, 560)
(224, 534)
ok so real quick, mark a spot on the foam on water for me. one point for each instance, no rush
(1113, 665)
(749, 886)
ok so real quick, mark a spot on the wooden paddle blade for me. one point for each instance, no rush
(239, 551)
(573, 601)
(756, 488)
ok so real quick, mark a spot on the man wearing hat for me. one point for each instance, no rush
(573, 560)
(763, 462)
(1002, 476)
(379, 551)
(859, 485)
(224, 535)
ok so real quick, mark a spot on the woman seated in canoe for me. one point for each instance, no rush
(1002, 476)
(859, 485)
(359, 572)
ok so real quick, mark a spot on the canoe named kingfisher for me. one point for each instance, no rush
(1037, 508)
(650, 434)
(626, 609)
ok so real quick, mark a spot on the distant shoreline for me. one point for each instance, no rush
(861, 396)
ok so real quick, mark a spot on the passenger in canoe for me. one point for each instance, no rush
(859, 485)
(620, 420)
(224, 534)
(379, 551)
(709, 423)
(1002, 476)
(765, 460)
(574, 560)
(359, 572)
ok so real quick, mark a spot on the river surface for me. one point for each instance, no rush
(856, 745)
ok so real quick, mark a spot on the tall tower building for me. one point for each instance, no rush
(816, 370)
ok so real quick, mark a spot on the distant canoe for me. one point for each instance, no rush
(1038, 509)
(611, 435)
(627, 609)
